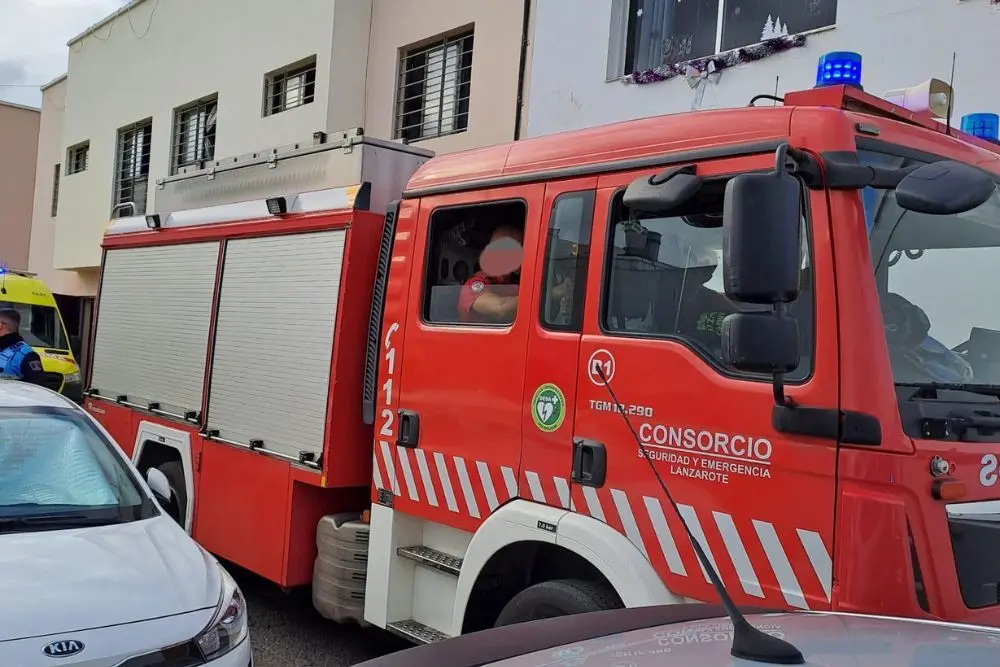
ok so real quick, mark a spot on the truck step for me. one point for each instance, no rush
(416, 632)
(432, 558)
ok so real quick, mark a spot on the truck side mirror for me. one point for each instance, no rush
(761, 226)
(761, 230)
(765, 343)
(944, 188)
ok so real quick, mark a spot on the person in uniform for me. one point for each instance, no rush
(18, 360)
(487, 298)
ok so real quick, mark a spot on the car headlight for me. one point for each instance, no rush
(229, 625)
(72, 378)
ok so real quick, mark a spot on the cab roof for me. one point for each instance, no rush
(580, 152)
(635, 144)
(23, 287)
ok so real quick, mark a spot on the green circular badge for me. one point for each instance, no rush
(548, 407)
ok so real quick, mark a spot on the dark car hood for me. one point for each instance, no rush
(700, 635)
(830, 640)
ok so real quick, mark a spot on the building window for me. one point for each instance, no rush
(290, 87)
(132, 168)
(665, 278)
(194, 134)
(473, 264)
(56, 173)
(435, 80)
(77, 158)
(666, 32)
(567, 252)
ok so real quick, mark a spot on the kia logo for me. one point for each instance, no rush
(63, 648)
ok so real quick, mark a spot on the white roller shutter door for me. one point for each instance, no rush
(152, 324)
(274, 340)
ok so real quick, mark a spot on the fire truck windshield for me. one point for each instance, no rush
(935, 278)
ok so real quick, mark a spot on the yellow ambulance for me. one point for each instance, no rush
(42, 328)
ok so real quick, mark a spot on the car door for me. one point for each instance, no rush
(460, 384)
(760, 502)
(555, 323)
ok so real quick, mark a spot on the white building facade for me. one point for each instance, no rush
(164, 92)
(167, 86)
(614, 60)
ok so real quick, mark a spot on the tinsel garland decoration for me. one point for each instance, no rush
(741, 56)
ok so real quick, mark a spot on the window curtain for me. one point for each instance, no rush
(652, 29)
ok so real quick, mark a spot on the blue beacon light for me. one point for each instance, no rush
(838, 69)
(983, 125)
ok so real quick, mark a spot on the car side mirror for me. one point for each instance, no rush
(944, 188)
(159, 485)
(763, 342)
(761, 227)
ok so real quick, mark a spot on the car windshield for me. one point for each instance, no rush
(40, 325)
(936, 288)
(55, 463)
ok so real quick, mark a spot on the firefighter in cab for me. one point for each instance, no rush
(18, 360)
(490, 295)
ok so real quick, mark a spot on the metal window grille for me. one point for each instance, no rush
(79, 159)
(55, 189)
(290, 88)
(194, 135)
(132, 168)
(434, 87)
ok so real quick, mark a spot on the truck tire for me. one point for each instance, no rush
(561, 597)
(174, 472)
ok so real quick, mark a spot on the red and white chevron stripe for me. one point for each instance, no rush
(430, 478)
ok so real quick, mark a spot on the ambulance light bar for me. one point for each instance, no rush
(839, 68)
(982, 125)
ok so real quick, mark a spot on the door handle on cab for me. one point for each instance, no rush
(409, 429)
(590, 462)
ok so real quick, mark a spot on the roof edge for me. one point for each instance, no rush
(105, 21)
(58, 79)
(23, 107)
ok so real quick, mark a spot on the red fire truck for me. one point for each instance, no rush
(304, 373)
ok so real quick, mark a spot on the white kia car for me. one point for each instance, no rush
(92, 571)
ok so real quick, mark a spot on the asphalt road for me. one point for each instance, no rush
(287, 632)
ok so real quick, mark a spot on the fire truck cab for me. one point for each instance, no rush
(779, 313)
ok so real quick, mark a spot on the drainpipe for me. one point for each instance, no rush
(521, 69)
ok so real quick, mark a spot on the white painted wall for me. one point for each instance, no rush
(162, 54)
(903, 42)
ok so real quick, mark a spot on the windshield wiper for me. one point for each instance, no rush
(930, 389)
(55, 521)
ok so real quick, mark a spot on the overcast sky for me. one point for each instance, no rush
(33, 36)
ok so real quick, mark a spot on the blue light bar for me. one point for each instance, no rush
(839, 68)
(983, 125)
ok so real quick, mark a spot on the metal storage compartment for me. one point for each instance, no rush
(154, 313)
(270, 375)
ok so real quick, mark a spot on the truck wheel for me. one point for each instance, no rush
(174, 472)
(561, 597)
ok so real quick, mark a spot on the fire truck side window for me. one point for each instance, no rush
(664, 278)
(457, 277)
(567, 251)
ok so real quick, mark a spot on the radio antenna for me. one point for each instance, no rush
(749, 642)
(775, 101)
(951, 98)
